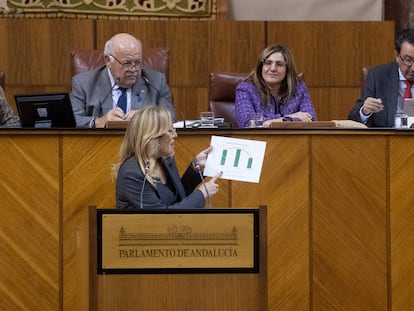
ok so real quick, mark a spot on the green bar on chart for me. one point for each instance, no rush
(237, 158)
(249, 163)
(223, 157)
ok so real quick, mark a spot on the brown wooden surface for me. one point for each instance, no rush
(340, 216)
(168, 291)
(35, 54)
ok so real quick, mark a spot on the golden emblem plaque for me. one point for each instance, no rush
(153, 241)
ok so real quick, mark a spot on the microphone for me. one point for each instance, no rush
(182, 116)
(197, 166)
(146, 168)
(147, 81)
(98, 108)
(160, 95)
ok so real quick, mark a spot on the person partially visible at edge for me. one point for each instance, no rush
(7, 115)
(274, 89)
(383, 91)
(147, 174)
(95, 93)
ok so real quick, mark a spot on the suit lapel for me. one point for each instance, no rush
(139, 94)
(392, 93)
(173, 172)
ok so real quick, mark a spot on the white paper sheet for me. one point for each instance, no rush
(238, 159)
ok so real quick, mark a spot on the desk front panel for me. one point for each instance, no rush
(340, 216)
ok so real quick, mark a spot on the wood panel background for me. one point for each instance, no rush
(35, 54)
(340, 218)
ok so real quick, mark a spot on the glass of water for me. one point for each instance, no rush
(207, 119)
(256, 119)
(401, 120)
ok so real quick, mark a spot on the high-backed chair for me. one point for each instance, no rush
(154, 58)
(221, 94)
(2, 79)
(364, 73)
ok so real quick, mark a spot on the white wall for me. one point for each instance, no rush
(317, 10)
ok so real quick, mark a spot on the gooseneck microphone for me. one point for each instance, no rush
(182, 116)
(146, 168)
(98, 108)
(197, 166)
(147, 81)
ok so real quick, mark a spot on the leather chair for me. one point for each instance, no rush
(364, 73)
(154, 58)
(221, 94)
(2, 79)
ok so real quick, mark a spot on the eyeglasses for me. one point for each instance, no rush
(268, 63)
(128, 65)
(408, 61)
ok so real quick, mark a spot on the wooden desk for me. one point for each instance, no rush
(340, 214)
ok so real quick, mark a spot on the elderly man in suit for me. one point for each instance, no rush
(114, 91)
(387, 85)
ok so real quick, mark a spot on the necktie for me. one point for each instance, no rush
(122, 101)
(407, 92)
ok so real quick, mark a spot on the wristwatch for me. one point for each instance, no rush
(287, 119)
(92, 124)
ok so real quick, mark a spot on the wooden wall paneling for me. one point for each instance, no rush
(402, 222)
(234, 47)
(332, 103)
(35, 53)
(349, 230)
(333, 53)
(37, 50)
(88, 181)
(284, 188)
(189, 102)
(29, 230)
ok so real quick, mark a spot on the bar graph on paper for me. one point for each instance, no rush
(238, 159)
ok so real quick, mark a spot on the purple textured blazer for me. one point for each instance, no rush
(248, 101)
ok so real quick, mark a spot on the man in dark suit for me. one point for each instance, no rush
(385, 86)
(96, 93)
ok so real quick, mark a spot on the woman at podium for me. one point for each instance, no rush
(147, 175)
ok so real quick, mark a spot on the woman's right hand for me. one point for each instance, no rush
(210, 187)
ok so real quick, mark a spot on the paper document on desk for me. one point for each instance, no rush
(238, 159)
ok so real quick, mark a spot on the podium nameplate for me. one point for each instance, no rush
(182, 241)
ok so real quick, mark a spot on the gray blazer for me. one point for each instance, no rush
(178, 194)
(91, 94)
(382, 82)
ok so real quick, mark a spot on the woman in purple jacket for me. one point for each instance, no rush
(274, 89)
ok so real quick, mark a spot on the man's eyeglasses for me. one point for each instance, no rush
(128, 65)
(268, 63)
(408, 61)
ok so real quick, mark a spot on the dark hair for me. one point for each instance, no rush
(288, 84)
(407, 35)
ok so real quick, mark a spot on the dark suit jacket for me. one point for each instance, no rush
(382, 82)
(130, 182)
(91, 94)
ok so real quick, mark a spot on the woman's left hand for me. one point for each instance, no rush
(201, 158)
(302, 116)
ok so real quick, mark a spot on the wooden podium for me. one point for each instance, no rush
(199, 259)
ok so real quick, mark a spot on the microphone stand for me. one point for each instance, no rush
(147, 166)
(197, 166)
